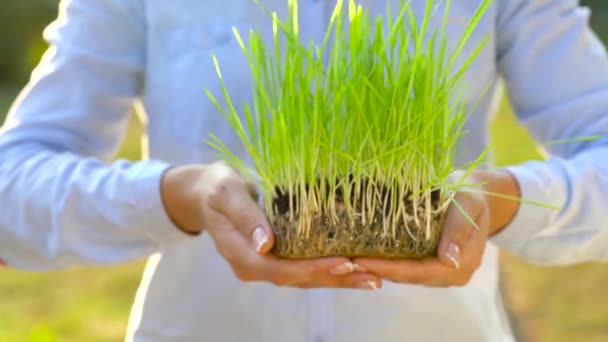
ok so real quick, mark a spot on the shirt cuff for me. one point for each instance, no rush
(540, 182)
(154, 220)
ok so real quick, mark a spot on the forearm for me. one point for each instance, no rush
(60, 209)
(575, 230)
(561, 99)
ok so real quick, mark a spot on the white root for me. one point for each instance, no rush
(415, 204)
(406, 220)
(428, 215)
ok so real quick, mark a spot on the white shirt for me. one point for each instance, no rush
(64, 203)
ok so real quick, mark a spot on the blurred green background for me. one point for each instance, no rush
(92, 304)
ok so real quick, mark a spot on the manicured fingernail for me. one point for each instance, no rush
(453, 254)
(368, 285)
(359, 268)
(259, 238)
(345, 268)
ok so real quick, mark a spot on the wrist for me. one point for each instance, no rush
(502, 195)
(181, 197)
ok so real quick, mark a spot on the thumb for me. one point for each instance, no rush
(235, 198)
(465, 222)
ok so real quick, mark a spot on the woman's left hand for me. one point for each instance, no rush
(462, 244)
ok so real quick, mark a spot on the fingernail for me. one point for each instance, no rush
(368, 285)
(453, 254)
(359, 268)
(259, 238)
(345, 268)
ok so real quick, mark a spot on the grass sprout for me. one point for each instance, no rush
(363, 127)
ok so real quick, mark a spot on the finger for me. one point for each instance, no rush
(322, 272)
(233, 197)
(251, 187)
(460, 226)
(357, 280)
(472, 255)
(423, 272)
(251, 266)
(314, 273)
(229, 241)
(330, 272)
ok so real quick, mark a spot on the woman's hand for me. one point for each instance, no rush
(462, 244)
(217, 199)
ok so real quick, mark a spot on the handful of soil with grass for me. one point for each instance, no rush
(352, 141)
(373, 220)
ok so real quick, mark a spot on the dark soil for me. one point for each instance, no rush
(349, 236)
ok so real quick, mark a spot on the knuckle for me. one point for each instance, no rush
(231, 181)
(216, 194)
(220, 191)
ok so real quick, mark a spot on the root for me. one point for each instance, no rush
(415, 229)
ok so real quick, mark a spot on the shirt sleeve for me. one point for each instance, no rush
(556, 73)
(63, 201)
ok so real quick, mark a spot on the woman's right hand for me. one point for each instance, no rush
(217, 199)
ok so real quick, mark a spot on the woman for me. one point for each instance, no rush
(209, 275)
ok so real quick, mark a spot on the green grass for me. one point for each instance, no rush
(553, 304)
(374, 102)
(350, 116)
(75, 305)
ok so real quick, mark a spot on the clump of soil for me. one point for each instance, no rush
(358, 229)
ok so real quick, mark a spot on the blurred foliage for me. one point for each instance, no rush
(21, 24)
(599, 16)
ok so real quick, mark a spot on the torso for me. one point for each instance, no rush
(189, 293)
